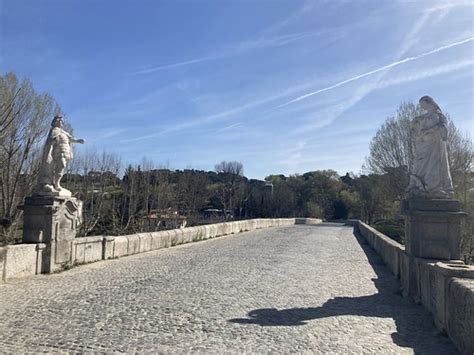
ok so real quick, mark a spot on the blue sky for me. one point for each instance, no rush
(282, 86)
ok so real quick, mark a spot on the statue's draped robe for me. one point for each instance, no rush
(430, 170)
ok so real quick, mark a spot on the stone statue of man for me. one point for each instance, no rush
(430, 176)
(57, 153)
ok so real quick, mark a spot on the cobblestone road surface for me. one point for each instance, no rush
(289, 289)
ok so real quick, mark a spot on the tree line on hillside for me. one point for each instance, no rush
(122, 199)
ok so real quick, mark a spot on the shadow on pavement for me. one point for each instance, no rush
(415, 328)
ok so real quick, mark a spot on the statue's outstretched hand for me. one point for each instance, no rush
(81, 141)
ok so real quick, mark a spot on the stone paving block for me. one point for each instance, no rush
(159, 240)
(180, 236)
(460, 314)
(200, 233)
(234, 227)
(443, 273)
(3, 259)
(206, 230)
(226, 228)
(174, 239)
(108, 245)
(189, 235)
(93, 249)
(251, 225)
(133, 244)
(20, 261)
(145, 242)
(120, 246)
(79, 251)
(213, 230)
(427, 285)
(192, 235)
(220, 229)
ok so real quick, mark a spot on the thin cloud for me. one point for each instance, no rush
(298, 13)
(218, 115)
(227, 128)
(378, 70)
(264, 41)
(334, 112)
(443, 69)
(175, 65)
(237, 49)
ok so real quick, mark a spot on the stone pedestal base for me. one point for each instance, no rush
(433, 228)
(52, 220)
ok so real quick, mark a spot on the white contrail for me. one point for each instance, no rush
(385, 67)
(174, 65)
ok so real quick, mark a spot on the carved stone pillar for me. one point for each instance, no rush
(433, 228)
(432, 234)
(53, 220)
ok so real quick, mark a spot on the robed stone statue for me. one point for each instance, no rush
(430, 176)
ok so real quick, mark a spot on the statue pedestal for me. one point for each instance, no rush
(433, 228)
(52, 220)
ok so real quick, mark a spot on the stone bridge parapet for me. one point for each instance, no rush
(445, 288)
(23, 260)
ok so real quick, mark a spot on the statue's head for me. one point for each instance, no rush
(427, 103)
(58, 121)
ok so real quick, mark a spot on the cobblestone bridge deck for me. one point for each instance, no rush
(288, 289)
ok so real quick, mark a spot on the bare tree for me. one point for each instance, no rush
(391, 149)
(24, 121)
(93, 178)
(231, 173)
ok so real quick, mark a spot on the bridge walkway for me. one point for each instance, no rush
(290, 289)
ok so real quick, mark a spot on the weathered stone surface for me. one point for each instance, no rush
(206, 230)
(3, 259)
(93, 251)
(190, 234)
(120, 246)
(19, 261)
(431, 205)
(145, 242)
(427, 281)
(108, 248)
(387, 248)
(57, 152)
(88, 249)
(429, 173)
(307, 221)
(427, 287)
(430, 231)
(460, 314)
(442, 274)
(54, 221)
(173, 237)
(133, 244)
(200, 233)
(79, 256)
(297, 289)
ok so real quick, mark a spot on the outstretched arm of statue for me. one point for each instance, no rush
(76, 140)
